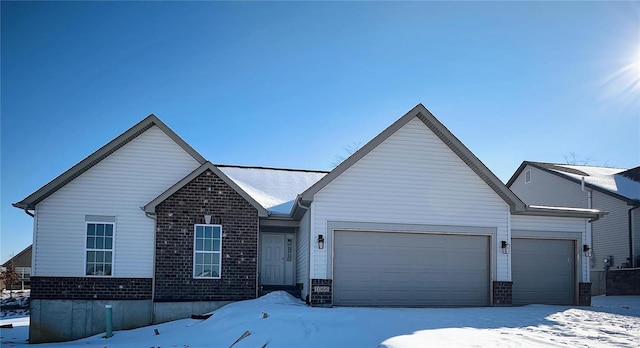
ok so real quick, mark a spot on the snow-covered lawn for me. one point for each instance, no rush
(14, 304)
(279, 320)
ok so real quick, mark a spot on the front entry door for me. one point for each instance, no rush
(273, 259)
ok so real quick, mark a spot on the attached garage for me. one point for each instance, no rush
(410, 269)
(543, 271)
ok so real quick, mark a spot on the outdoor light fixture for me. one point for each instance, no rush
(505, 247)
(207, 219)
(320, 241)
(587, 250)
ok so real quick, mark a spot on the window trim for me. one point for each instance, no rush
(195, 252)
(527, 176)
(113, 249)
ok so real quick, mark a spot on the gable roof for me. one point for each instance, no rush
(616, 182)
(274, 188)
(18, 255)
(447, 138)
(151, 206)
(54, 185)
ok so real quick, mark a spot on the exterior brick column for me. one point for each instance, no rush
(584, 294)
(321, 292)
(502, 293)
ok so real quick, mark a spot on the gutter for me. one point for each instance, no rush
(26, 211)
(630, 221)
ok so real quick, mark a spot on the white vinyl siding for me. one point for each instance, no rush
(410, 178)
(302, 254)
(117, 186)
(610, 233)
(548, 189)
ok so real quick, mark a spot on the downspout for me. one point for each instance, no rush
(589, 232)
(630, 214)
(153, 275)
(308, 297)
(26, 211)
(589, 198)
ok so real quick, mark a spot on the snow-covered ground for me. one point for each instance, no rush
(14, 304)
(279, 320)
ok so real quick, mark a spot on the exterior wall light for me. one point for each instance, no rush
(505, 247)
(587, 250)
(207, 219)
(320, 241)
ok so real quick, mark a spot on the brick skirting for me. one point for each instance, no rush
(90, 288)
(502, 293)
(321, 292)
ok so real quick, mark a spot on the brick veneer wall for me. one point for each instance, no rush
(321, 292)
(623, 282)
(584, 294)
(502, 293)
(90, 288)
(207, 194)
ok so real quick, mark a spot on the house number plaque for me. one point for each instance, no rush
(321, 288)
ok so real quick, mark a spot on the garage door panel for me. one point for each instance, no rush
(409, 269)
(543, 271)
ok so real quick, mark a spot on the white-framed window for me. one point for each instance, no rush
(207, 251)
(527, 176)
(99, 254)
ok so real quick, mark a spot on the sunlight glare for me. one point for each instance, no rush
(624, 83)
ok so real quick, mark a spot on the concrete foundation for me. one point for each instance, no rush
(65, 320)
(168, 311)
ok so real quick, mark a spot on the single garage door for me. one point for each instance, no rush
(410, 269)
(543, 271)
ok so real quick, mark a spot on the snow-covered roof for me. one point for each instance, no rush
(274, 188)
(619, 181)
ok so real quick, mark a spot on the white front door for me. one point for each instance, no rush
(273, 259)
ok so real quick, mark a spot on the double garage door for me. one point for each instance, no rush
(410, 269)
(427, 269)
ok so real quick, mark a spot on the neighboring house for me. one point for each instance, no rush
(616, 237)
(413, 218)
(22, 264)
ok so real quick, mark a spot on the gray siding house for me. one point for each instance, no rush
(413, 218)
(22, 264)
(615, 237)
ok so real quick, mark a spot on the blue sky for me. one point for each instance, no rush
(293, 84)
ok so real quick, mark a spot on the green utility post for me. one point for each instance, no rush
(109, 317)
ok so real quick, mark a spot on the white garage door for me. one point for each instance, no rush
(543, 271)
(410, 269)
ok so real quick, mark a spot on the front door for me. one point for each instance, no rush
(273, 259)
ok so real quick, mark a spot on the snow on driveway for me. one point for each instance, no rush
(611, 321)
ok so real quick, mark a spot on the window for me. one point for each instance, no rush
(527, 176)
(207, 251)
(100, 248)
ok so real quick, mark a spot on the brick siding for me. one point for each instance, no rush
(207, 194)
(321, 298)
(584, 294)
(623, 282)
(90, 288)
(502, 293)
